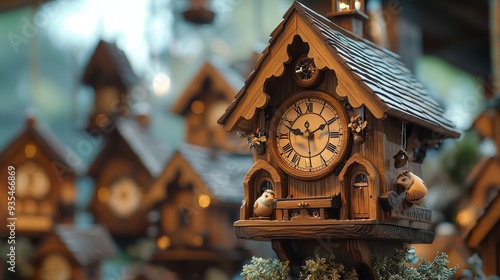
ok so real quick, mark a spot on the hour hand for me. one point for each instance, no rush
(295, 131)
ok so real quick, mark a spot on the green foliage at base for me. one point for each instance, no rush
(403, 265)
(398, 267)
(322, 269)
(266, 269)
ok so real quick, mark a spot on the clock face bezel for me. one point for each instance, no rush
(328, 156)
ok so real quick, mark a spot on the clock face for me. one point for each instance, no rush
(125, 197)
(306, 72)
(32, 181)
(311, 135)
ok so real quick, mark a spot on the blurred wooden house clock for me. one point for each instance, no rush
(204, 100)
(110, 75)
(129, 160)
(72, 253)
(45, 171)
(336, 108)
(196, 204)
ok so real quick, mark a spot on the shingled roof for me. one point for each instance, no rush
(109, 64)
(87, 246)
(44, 138)
(220, 172)
(386, 82)
(149, 150)
(207, 170)
(222, 79)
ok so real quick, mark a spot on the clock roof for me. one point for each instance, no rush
(47, 141)
(109, 65)
(86, 246)
(217, 172)
(213, 77)
(147, 149)
(385, 85)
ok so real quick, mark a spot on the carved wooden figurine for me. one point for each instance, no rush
(414, 186)
(316, 87)
(263, 206)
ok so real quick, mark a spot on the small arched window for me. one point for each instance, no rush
(360, 180)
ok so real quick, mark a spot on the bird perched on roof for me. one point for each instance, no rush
(415, 189)
(263, 206)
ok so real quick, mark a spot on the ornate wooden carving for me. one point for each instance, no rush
(334, 229)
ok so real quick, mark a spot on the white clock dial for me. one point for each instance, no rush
(311, 134)
(125, 197)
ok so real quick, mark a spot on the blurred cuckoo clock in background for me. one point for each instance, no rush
(204, 100)
(130, 157)
(336, 108)
(110, 75)
(193, 201)
(129, 160)
(45, 174)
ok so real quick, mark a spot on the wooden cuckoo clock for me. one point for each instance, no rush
(43, 171)
(129, 160)
(197, 205)
(334, 117)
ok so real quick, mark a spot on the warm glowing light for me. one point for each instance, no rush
(357, 5)
(343, 7)
(163, 242)
(204, 200)
(465, 217)
(101, 120)
(161, 84)
(197, 107)
(198, 241)
(30, 151)
(103, 195)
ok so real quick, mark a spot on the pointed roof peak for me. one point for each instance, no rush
(386, 85)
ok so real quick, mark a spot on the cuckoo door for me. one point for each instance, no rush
(360, 202)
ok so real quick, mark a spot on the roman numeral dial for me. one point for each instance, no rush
(310, 134)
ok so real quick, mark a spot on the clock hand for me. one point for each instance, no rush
(321, 127)
(309, 148)
(295, 131)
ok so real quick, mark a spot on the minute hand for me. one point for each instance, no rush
(321, 127)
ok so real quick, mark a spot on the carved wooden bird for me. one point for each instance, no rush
(415, 189)
(263, 206)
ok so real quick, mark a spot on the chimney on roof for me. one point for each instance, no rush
(349, 14)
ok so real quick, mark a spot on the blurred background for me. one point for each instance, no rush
(46, 48)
